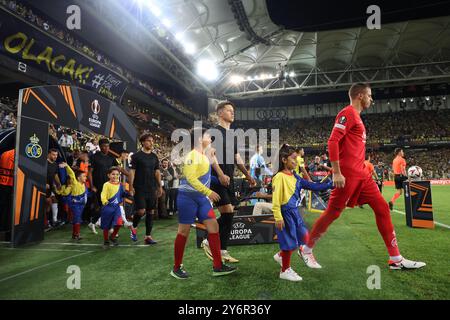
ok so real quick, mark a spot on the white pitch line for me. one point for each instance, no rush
(92, 244)
(43, 266)
(37, 249)
(86, 244)
(435, 222)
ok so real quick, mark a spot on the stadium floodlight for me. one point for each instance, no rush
(154, 9)
(411, 100)
(403, 100)
(207, 69)
(256, 77)
(292, 74)
(270, 76)
(189, 48)
(235, 79)
(427, 98)
(166, 22)
(139, 3)
(444, 98)
(263, 76)
(179, 36)
(249, 78)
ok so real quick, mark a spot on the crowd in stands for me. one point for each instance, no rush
(304, 132)
(8, 113)
(435, 164)
(412, 126)
(44, 24)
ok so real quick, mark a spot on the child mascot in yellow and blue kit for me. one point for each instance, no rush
(290, 227)
(194, 201)
(112, 196)
(77, 194)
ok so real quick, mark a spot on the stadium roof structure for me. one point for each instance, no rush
(257, 56)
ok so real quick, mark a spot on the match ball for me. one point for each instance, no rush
(415, 172)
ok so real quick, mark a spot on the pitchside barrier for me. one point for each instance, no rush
(418, 205)
(66, 106)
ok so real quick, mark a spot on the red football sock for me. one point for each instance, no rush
(105, 234)
(76, 229)
(384, 224)
(321, 225)
(116, 230)
(395, 197)
(214, 245)
(305, 238)
(180, 244)
(286, 259)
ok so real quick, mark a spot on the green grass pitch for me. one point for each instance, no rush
(138, 272)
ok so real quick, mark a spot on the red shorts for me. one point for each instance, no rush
(355, 192)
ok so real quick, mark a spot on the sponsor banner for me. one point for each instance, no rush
(31, 47)
(440, 182)
(444, 182)
(29, 186)
(418, 204)
(71, 107)
(246, 230)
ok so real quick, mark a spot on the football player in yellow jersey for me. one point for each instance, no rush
(194, 201)
(290, 227)
(300, 167)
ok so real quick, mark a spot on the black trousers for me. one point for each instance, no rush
(173, 194)
(161, 205)
(5, 207)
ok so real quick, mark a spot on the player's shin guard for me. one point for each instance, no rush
(225, 223)
(321, 225)
(180, 244)
(286, 259)
(148, 223)
(214, 245)
(385, 227)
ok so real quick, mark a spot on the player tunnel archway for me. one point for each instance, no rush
(67, 106)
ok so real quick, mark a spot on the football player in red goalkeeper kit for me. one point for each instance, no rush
(354, 186)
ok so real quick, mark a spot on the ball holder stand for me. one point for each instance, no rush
(418, 204)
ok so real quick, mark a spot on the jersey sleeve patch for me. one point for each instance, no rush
(339, 126)
(342, 120)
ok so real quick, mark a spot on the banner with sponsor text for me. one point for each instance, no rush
(32, 47)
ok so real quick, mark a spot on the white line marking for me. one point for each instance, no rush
(36, 249)
(43, 266)
(93, 244)
(437, 223)
(87, 244)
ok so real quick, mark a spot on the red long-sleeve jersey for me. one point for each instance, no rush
(347, 143)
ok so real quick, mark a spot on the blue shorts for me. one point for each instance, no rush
(110, 216)
(294, 232)
(77, 212)
(191, 205)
